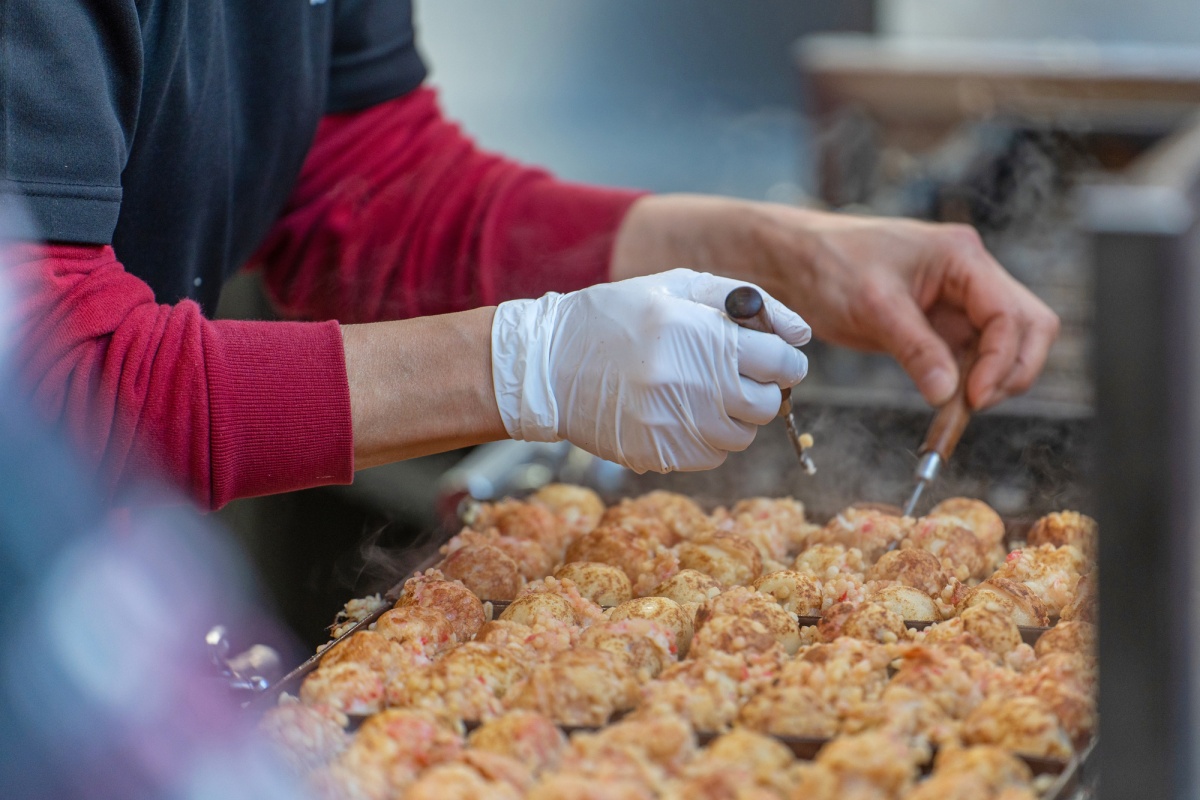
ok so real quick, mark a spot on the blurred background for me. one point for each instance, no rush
(989, 113)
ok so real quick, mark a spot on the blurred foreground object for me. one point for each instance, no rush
(105, 688)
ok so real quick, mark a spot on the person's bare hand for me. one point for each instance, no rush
(918, 291)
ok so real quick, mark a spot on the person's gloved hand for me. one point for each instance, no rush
(648, 372)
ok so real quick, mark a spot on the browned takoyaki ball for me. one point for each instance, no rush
(1066, 527)
(643, 560)
(486, 570)
(584, 686)
(1068, 636)
(688, 586)
(913, 567)
(644, 645)
(579, 508)
(681, 516)
(1016, 600)
(777, 526)
(603, 584)
(795, 591)
(371, 649)
(984, 626)
(454, 600)
(524, 521)
(1084, 606)
(908, 602)
(665, 612)
(729, 559)
(540, 607)
(869, 622)
(742, 601)
(961, 553)
(531, 738)
(418, 628)
(1019, 723)
(974, 515)
(871, 531)
(736, 635)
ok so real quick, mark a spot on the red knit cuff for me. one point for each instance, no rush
(280, 408)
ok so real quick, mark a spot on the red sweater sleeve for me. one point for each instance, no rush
(221, 409)
(398, 214)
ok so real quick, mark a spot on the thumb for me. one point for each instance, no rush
(925, 356)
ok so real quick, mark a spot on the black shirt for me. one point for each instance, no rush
(175, 129)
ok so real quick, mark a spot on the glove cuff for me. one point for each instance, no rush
(522, 332)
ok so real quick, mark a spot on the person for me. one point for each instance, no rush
(437, 295)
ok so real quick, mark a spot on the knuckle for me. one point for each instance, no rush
(963, 237)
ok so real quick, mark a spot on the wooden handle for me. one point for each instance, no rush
(952, 418)
(745, 306)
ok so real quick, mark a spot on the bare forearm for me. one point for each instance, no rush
(421, 386)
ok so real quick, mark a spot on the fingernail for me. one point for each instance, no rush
(938, 385)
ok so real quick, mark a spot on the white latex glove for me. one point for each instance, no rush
(648, 372)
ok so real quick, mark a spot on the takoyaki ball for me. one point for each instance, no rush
(742, 601)
(909, 603)
(683, 518)
(764, 757)
(486, 570)
(458, 781)
(603, 584)
(531, 738)
(787, 710)
(586, 612)
(993, 628)
(869, 622)
(406, 740)
(454, 600)
(736, 635)
(418, 628)
(1051, 572)
(535, 608)
(1067, 527)
(871, 531)
(879, 764)
(547, 638)
(532, 559)
(371, 649)
(961, 554)
(1018, 723)
(779, 523)
(524, 521)
(1083, 606)
(998, 767)
(919, 569)
(794, 591)
(730, 560)
(350, 687)
(468, 683)
(1070, 636)
(579, 508)
(645, 646)
(826, 561)
(643, 560)
(974, 515)
(1015, 600)
(305, 736)
(499, 770)
(578, 687)
(688, 586)
(665, 612)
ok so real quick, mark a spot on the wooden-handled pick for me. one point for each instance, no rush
(943, 434)
(745, 306)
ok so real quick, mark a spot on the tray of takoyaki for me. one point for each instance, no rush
(558, 648)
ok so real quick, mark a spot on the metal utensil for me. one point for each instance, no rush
(745, 306)
(943, 435)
